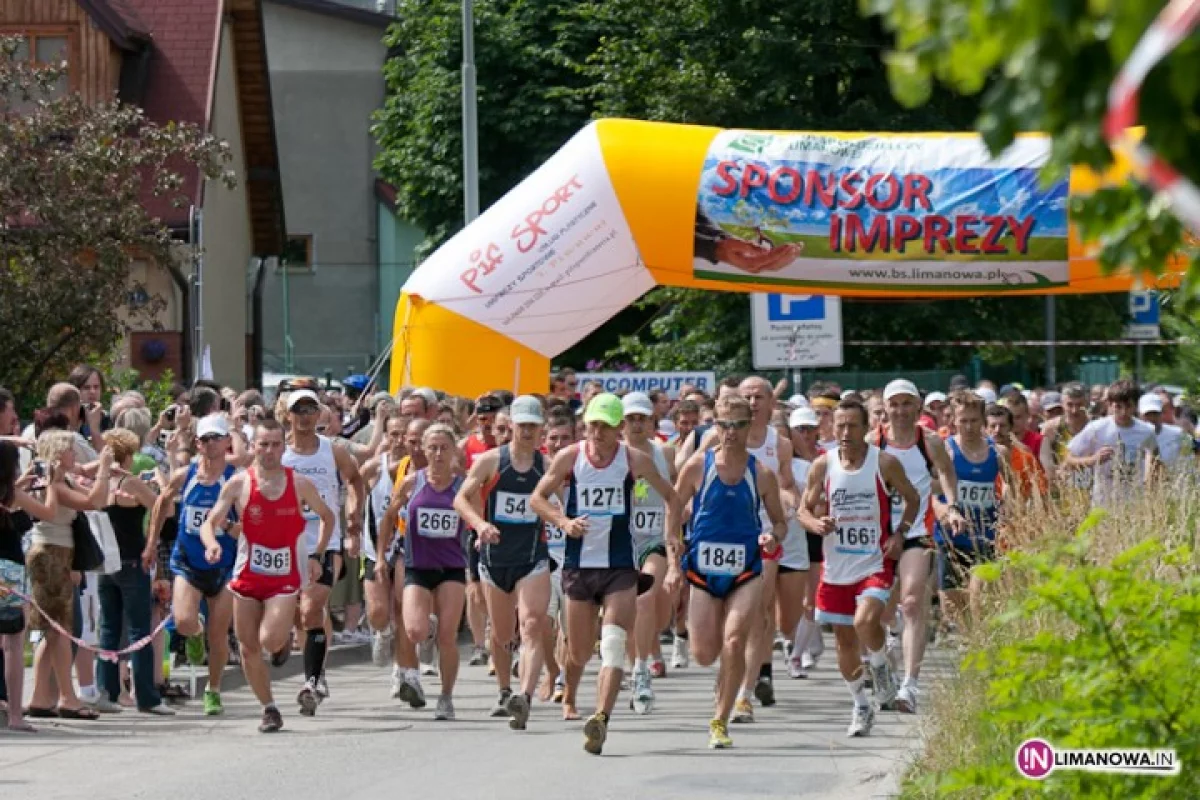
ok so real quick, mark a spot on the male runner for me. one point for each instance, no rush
(1173, 443)
(326, 463)
(1058, 432)
(648, 526)
(1121, 449)
(267, 576)
(804, 429)
(847, 499)
(481, 440)
(196, 579)
(724, 553)
(559, 433)
(514, 565)
(923, 458)
(600, 571)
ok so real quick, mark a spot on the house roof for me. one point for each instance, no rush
(340, 11)
(119, 21)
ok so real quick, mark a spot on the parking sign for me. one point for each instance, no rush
(796, 331)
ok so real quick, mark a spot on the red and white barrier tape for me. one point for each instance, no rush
(1175, 22)
(1022, 343)
(106, 655)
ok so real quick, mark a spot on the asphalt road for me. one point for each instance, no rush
(363, 744)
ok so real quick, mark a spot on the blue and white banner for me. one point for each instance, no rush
(669, 382)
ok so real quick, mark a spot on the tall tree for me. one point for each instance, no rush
(72, 182)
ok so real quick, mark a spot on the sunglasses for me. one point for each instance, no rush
(732, 424)
(212, 437)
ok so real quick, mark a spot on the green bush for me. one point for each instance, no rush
(1093, 641)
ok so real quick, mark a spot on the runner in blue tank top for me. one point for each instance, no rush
(198, 486)
(727, 488)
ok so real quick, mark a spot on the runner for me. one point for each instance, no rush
(1122, 450)
(723, 561)
(267, 577)
(978, 463)
(1171, 438)
(560, 433)
(326, 463)
(1058, 432)
(797, 590)
(847, 498)
(383, 578)
(481, 440)
(654, 606)
(196, 579)
(514, 564)
(923, 458)
(435, 562)
(600, 571)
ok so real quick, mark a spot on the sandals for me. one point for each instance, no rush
(41, 713)
(77, 713)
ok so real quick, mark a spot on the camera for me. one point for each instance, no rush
(170, 415)
(39, 468)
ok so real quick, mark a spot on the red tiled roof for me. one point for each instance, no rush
(182, 68)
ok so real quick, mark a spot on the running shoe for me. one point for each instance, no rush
(194, 648)
(445, 708)
(212, 703)
(642, 701)
(381, 647)
(796, 670)
(658, 668)
(479, 657)
(501, 707)
(595, 731)
(743, 711)
(681, 656)
(764, 690)
(425, 649)
(409, 691)
(718, 735)
(272, 720)
(780, 642)
(894, 649)
(861, 721)
(308, 698)
(322, 688)
(102, 704)
(560, 688)
(906, 699)
(807, 662)
(518, 711)
(883, 682)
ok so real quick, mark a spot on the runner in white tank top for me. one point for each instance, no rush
(847, 501)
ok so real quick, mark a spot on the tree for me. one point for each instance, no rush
(72, 181)
(1048, 67)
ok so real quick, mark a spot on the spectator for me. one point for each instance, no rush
(125, 597)
(64, 405)
(52, 581)
(90, 383)
(10, 424)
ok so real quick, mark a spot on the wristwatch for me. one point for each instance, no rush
(904, 527)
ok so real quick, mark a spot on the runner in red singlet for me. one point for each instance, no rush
(267, 576)
(476, 444)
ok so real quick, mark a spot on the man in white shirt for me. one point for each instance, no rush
(1173, 443)
(1122, 449)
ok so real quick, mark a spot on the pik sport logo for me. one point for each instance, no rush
(1037, 758)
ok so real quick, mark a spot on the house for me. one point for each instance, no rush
(328, 305)
(202, 62)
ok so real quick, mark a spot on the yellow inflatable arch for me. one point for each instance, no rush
(626, 206)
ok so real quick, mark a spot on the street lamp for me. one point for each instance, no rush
(470, 114)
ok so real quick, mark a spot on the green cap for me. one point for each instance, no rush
(606, 408)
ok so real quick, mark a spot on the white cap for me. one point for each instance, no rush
(1150, 404)
(803, 418)
(301, 394)
(637, 403)
(525, 410)
(988, 395)
(934, 397)
(798, 401)
(900, 386)
(429, 396)
(213, 425)
(666, 428)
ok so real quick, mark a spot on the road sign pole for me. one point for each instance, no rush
(1051, 355)
(1137, 363)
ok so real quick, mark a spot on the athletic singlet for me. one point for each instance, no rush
(767, 454)
(269, 554)
(604, 494)
(380, 498)
(976, 494)
(508, 507)
(795, 546)
(1081, 477)
(917, 467)
(474, 448)
(320, 468)
(436, 532)
(725, 522)
(859, 503)
(649, 508)
(197, 500)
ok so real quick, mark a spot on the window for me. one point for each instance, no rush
(45, 47)
(297, 254)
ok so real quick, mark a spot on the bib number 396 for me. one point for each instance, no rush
(266, 561)
(722, 559)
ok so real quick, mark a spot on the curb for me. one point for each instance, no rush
(233, 677)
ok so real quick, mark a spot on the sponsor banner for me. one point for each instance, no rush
(669, 382)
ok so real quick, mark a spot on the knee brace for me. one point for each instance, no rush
(612, 646)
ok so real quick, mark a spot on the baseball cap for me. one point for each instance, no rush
(900, 386)
(301, 394)
(803, 418)
(1051, 400)
(798, 401)
(637, 403)
(526, 410)
(666, 427)
(356, 382)
(934, 397)
(428, 395)
(606, 408)
(1150, 404)
(488, 404)
(987, 394)
(215, 425)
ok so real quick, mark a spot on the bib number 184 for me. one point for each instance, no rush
(722, 559)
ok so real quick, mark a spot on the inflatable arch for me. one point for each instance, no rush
(626, 205)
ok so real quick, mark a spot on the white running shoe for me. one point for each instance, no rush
(381, 647)
(308, 698)
(807, 662)
(445, 708)
(796, 668)
(410, 691)
(681, 656)
(883, 682)
(861, 721)
(906, 699)
(642, 701)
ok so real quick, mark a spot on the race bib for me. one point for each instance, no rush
(976, 495)
(514, 509)
(194, 517)
(602, 501)
(648, 521)
(555, 537)
(437, 523)
(265, 561)
(855, 537)
(309, 514)
(721, 559)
